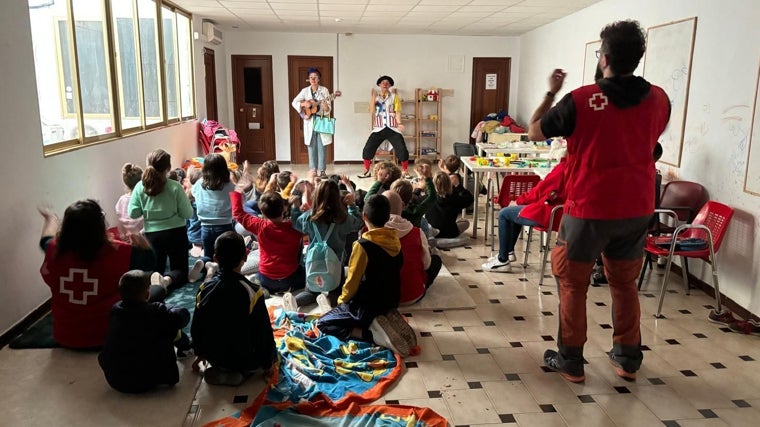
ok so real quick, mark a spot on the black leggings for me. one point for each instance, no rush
(377, 138)
(171, 243)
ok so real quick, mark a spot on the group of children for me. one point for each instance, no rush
(388, 264)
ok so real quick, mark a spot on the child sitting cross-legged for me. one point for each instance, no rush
(139, 351)
(443, 215)
(367, 307)
(280, 244)
(231, 329)
(333, 218)
(419, 268)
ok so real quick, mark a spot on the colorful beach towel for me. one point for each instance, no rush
(322, 381)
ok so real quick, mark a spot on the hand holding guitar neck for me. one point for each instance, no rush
(313, 105)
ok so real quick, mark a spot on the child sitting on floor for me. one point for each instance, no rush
(194, 223)
(452, 198)
(385, 174)
(419, 268)
(329, 209)
(131, 174)
(367, 307)
(139, 351)
(280, 245)
(231, 329)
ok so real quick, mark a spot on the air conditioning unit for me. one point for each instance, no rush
(212, 33)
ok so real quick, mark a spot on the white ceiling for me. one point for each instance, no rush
(449, 17)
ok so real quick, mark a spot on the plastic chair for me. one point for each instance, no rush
(685, 198)
(681, 200)
(710, 225)
(555, 219)
(512, 186)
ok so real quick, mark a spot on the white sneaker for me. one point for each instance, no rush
(211, 269)
(512, 257)
(289, 302)
(495, 266)
(324, 303)
(195, 273)
(433, 231)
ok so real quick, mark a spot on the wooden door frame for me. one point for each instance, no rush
(209, 53)
(474, 118)
(295, 85)
(267, 98)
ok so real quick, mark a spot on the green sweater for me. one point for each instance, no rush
(413, 212)
(169, 209)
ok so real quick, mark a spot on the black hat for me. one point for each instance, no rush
(381, 78)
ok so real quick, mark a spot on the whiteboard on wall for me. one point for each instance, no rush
(590, 61)
(668, 64)
(752, 175)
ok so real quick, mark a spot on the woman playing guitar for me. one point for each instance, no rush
(311, 100)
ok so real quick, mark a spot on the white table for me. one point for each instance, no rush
(485, 149)
(476, 170)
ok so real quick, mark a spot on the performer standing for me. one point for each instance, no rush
(311, 100)
(385, 108)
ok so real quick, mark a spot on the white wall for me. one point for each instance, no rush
(719, 111)
(412, 61)
(220, 59)
(29, 179)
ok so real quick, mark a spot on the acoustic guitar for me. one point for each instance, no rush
(306, 112)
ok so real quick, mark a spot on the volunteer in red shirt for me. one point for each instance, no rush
(611, 128)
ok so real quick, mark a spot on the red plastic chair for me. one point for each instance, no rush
(512, 186)
(710, 225)
(545, 240)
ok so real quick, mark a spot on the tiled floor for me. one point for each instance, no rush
(478, 367)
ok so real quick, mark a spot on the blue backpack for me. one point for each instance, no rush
(323, 267)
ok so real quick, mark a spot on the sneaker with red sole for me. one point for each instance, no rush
(619, 370)
(551, 361)
(722, 317)
(747, 327)
(398, 323)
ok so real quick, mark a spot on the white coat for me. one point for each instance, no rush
(308, 124)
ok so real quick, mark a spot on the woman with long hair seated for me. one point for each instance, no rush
(82, 267)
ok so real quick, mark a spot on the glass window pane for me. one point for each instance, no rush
(170, 62)
(94, 68)
(146, 10)
(56, 92)
(125, 32)
(184, 52)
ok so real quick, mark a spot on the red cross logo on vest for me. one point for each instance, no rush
(78, 290)
(598, 101)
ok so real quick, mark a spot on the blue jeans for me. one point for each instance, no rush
(209, 233)
(510, 226)
(294, 282)
(317, 152)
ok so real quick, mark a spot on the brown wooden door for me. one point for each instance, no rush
(298, 78)
(209, 65)
(490, 87)
(254, 107)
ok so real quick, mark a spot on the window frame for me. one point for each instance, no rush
(114, 78)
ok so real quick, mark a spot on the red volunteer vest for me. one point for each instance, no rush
(413, 275)
(83, 293)
(610, 171)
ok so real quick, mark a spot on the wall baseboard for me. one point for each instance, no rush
(22, 325)
(728, 303)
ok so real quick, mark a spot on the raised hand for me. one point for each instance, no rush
(556, 80)
(349, 199)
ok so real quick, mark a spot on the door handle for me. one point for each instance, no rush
(241, 110)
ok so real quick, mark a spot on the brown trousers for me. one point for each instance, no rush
(621, 244)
